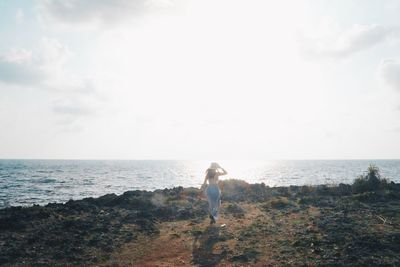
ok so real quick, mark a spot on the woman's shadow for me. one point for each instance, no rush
(203, 245)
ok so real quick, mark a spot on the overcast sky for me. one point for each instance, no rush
(182, 79)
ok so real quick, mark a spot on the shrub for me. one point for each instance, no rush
(238, 190)
(370, 182)
(234, 190)
(235, 210)
(192, 192)
(277, 203)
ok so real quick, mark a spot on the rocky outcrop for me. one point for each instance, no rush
(87, 231)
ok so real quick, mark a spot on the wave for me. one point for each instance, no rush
(45, 180)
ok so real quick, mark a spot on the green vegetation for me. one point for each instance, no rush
(235, 210)
(249, 254)
(370, 182)
(277, 203)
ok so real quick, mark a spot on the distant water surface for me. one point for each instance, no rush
(28, 182)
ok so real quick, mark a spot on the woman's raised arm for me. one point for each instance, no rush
(224, 172)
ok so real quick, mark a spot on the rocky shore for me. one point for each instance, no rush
(343, 225)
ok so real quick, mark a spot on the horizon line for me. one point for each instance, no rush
(144, 159)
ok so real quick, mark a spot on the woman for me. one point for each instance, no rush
(212, 190)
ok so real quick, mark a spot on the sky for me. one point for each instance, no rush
(199, 79)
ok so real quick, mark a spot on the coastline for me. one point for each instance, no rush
(265, 226)
(27, 182)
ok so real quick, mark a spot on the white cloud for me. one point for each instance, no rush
(44, 68)
(53, 53)
(19, 16)
(71, 106)
(34, 68)
(331, 41)
(94, 13)
(18, 67)
(389, 72)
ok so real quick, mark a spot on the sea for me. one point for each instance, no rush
(29, 182)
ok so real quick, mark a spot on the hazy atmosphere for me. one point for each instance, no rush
(167, 79)
(240, 133)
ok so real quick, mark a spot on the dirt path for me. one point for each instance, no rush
(279, 232)
(188, 243)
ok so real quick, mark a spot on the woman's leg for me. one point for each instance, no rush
(214, 200)
(210, 200)
(217, 204)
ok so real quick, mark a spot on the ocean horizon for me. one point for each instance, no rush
(27, 182)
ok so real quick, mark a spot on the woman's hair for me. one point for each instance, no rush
(211, 173)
